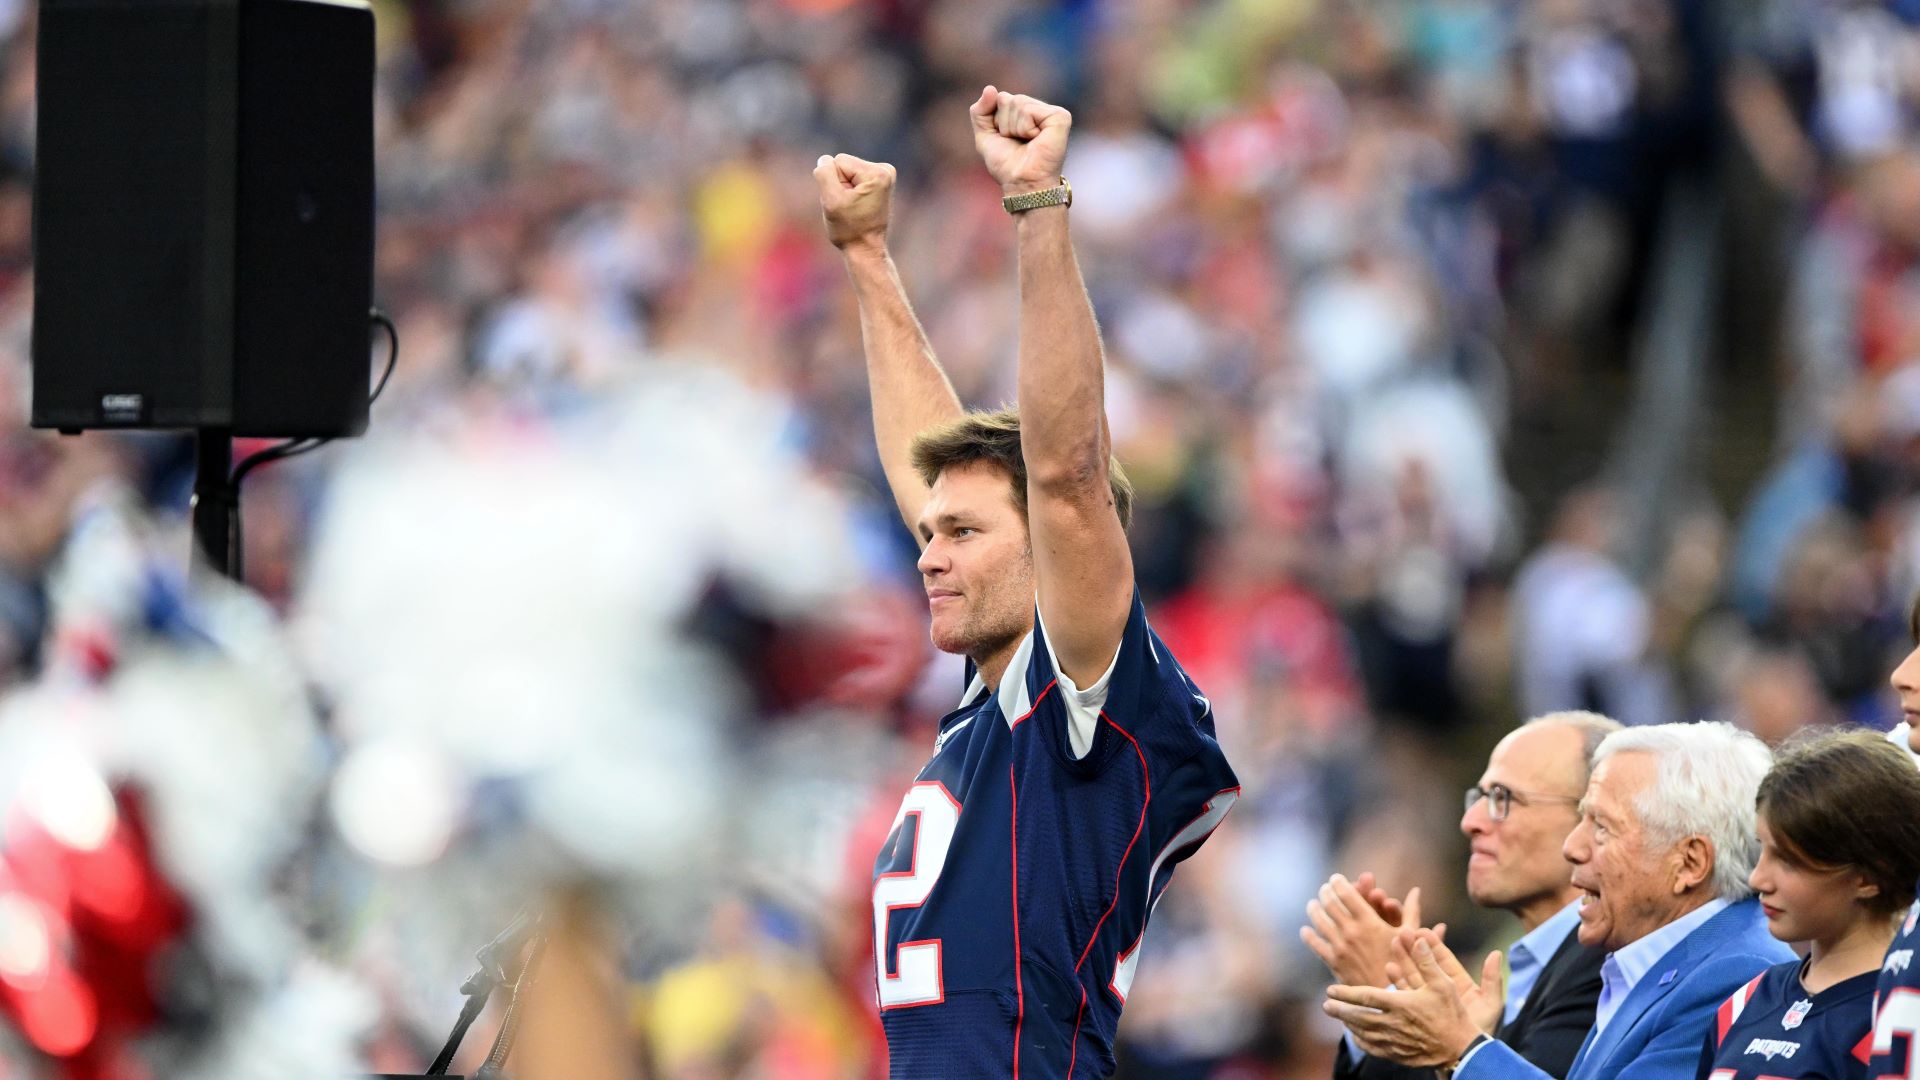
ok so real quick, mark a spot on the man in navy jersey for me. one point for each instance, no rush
(1897, 998)
(1011, 899)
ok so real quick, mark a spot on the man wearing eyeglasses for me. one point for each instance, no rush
(1516, 819)
(1663, 854)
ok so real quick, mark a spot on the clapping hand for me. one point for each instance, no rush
(1352, 926)
(1427, 1020)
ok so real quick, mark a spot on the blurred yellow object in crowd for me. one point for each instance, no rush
(734, 208)
(727, 1011)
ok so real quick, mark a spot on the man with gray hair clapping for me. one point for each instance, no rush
(1662, 852)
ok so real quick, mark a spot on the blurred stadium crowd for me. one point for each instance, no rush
(1376, 280)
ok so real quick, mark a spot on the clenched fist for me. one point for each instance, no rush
(856, 196)
(1022, 139)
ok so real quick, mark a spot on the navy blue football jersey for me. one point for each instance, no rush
(1772, 1029)
(1896, 1006)
(1011, 899)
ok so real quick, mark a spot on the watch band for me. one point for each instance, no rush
(1034, 200)
(1446, 1071)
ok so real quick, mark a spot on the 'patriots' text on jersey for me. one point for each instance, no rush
(1772, 1029)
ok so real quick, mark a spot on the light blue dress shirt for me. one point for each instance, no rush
(1624, 968)
(1530, 954)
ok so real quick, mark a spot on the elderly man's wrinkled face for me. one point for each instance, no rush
(1632, 887)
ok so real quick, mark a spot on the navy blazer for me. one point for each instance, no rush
(1657, 1032)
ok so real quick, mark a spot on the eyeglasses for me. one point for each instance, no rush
(1500, 799)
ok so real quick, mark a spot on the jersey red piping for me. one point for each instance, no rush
(1019, 991)
(1077, 1017)
(1153, 897)
(1146, 781)
(1015, 722)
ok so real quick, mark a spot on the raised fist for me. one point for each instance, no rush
(1022, 139)
(856, 196)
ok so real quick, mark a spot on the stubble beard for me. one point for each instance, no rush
(979, 637)
(995, 617)
(981, 634)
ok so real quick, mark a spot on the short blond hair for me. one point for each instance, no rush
(993, 438)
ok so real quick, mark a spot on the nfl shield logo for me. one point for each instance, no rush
(1913, 915)
(1796, 1014)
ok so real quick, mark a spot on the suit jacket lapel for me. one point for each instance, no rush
(1560, 967)
(1656, 984)
(1580, 1059)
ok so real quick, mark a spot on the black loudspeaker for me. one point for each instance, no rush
(203, 215)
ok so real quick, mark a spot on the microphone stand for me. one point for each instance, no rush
(495, 1067)
(507, 960)
(214, 497)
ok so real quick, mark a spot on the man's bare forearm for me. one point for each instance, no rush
(1062, 382)
(910, 392)
(1082, 569)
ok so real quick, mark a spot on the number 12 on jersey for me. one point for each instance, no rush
(916, 964)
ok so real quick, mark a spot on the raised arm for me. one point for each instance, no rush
(910, 393)
(1083, 570)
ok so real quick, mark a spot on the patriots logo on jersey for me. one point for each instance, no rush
(1832, 1031)
(940, 740)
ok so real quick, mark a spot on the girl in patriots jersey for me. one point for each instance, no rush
(1839, 831)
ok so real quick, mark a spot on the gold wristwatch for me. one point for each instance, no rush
(1034, 200)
